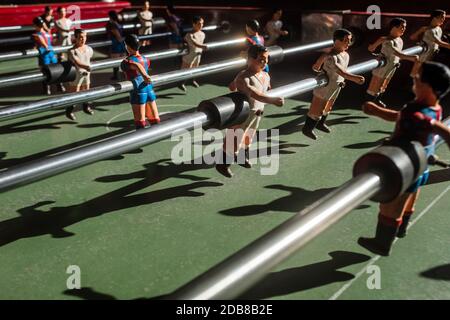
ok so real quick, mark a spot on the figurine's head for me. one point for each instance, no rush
(38, 23)
(61, 12)
(146, 5)
(277, 14)
(132, 43)
(432, 81)
(258, 57)
(80, 37)
(252, 27)
(397, 27)
(342, 39)
(197, 23)
(437, 17)
(113, 16)
(48, 11)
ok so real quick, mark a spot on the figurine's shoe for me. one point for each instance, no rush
(70, 114)
(309, 134)
(224, 169)
(247, 164)
(87, 108)
(321, 125)
(403, 229)
(182, 87)
(382, 243)
(308, 128)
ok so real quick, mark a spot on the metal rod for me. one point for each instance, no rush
(22, 79)
(309, 47)
(154, 56)
(298, 87)
(243, 269)
(29, 39)
(16, 40)
(22, 109)
(157, 22)
(96, 20)
(57, 102)
(306, 85)
(15, 55)
(46, 167)
(213, 45)
(110, 63)
(61, 101)
(30, 53)
(10, 29)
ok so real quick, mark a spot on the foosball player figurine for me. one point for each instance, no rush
(334, 64)
(142, 97)
(417, 121)
(391, 51)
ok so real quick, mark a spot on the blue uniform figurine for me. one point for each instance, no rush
(419, 121)
(47, 56)
(142, 92)
(142, 97)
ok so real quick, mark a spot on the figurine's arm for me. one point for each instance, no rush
(372, 109)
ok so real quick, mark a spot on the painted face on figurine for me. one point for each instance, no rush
(440, 20)
(81, 39)
(198, 25)
(277, 15)
(398, 31)
(344, 44)
(147, 5)
(260, 62)
(62, 13)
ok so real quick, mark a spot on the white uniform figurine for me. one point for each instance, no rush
(432, 37)
(388, 47)
(83, 57)
(254, 83)
(335, 66)
(146, 20)
(246, 82)
(391, 51)
(195, 46)
(63, 26)
(80, 55)
(274, 28)
(429, 37)
(193, 39)
(332, 64)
